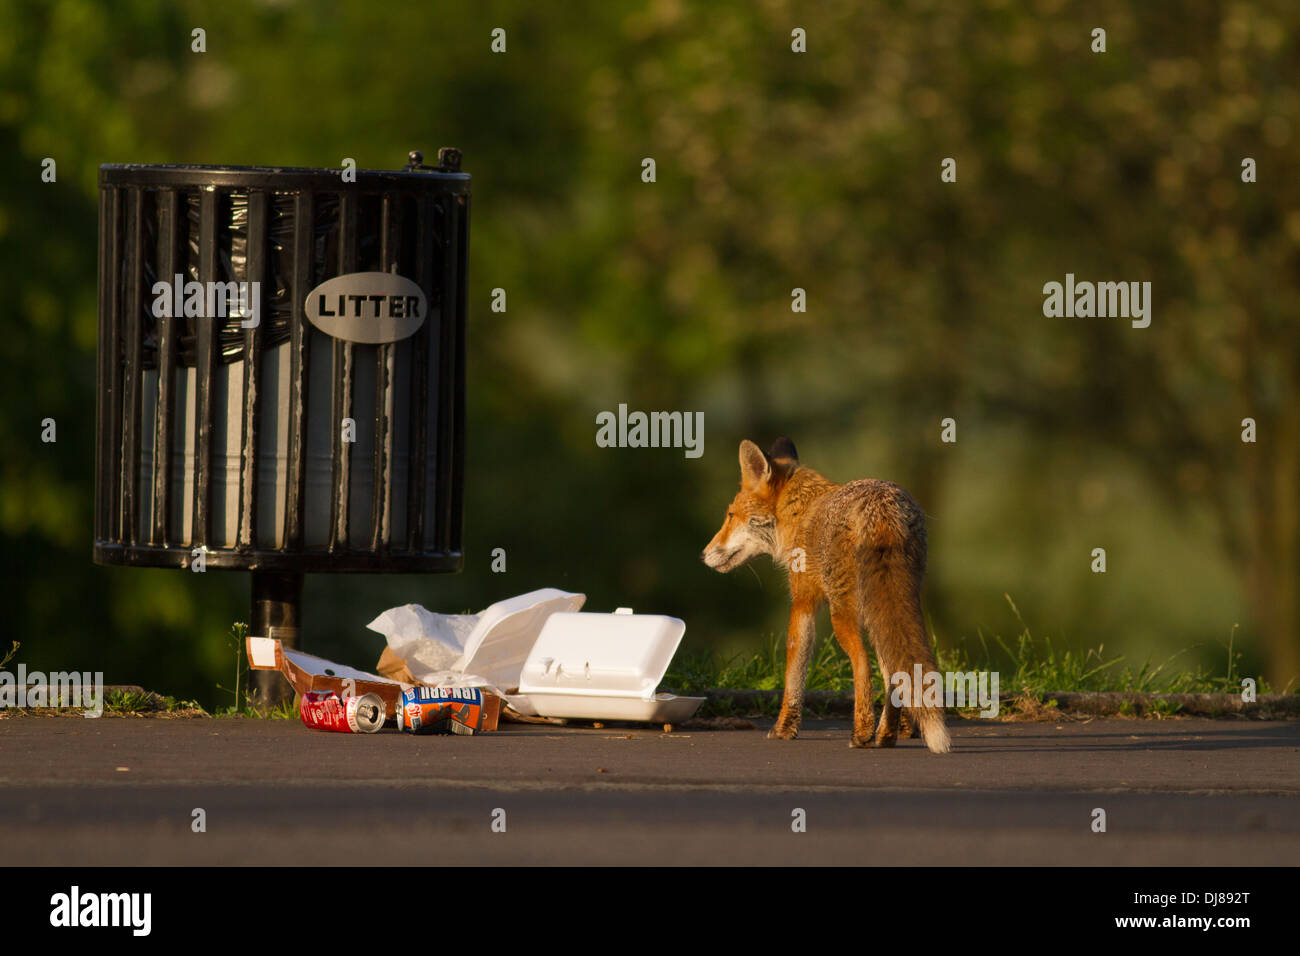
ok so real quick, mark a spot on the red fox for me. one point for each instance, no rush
(860, 547)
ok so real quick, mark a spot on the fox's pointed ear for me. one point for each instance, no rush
(783, 448)
(754, 466)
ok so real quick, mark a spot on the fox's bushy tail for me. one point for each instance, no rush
(891, 603)
(933, 729)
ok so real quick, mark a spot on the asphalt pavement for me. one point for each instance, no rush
(116, 790)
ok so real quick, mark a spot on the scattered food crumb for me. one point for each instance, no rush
(598, 725)
(601, 770)
(121, 769)
(668, 728)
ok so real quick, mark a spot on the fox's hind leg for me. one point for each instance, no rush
(846, 622)
(890, 715)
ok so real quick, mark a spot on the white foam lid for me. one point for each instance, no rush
(602, 655)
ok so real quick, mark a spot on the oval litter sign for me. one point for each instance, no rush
(367, 307)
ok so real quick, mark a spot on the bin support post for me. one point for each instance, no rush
(277, 612)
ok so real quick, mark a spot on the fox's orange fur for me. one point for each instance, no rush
(861, 546)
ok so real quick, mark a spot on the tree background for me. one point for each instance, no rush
(775, 170)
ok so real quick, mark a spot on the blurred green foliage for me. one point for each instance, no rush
(775, 170)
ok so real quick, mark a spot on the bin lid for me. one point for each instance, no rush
(602, 655)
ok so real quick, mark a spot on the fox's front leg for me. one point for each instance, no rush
(798, 653)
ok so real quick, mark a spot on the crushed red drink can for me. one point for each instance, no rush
(325, 710)
(442, 710)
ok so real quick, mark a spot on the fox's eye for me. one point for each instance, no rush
(731, 514)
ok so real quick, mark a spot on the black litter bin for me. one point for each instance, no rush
(311, 419)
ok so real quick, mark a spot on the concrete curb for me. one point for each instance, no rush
(1101, 704)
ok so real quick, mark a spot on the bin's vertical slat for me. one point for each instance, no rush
(419, 397)
(348, 222)
(160, 534)
(108, 474)
(254, 275)
(299, 356)
(381, 506)
(448, 344)
(131, 382)
(100, 275)
(458, 438)
(205, 342)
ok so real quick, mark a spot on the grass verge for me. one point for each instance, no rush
(1028, 668)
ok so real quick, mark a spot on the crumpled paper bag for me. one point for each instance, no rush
(394, 668)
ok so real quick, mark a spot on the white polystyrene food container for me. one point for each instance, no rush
(605, 667)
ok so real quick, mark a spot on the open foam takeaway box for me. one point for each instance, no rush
(543, 656)
(603, 667)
